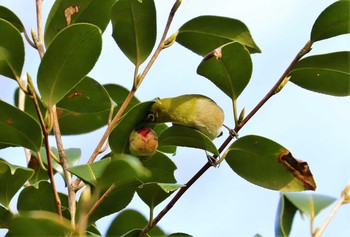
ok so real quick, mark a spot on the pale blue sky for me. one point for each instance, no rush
(314, 127)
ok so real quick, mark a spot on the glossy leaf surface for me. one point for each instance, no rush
(268, 164)
(204, 34)
(333, 21)
(134, 28)
(162, 170)
(85, 108)
(128, 220)
(119, 137)
(18, 128)
(11, 50)
(229, 68)
(76, 11)
(11, 17)
(12, 178)
(90, 172)
(178, 135)
(38, 198)
(328, 73)
(309, 203)
(71, 55)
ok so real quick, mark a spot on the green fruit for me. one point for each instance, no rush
(195, 111)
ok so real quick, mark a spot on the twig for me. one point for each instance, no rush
(40, 40)
(272, 92)
(64, 164)
(344, 198)
(47, 145)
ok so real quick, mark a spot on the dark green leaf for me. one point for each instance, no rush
(38, 198)
(119, 94)
(96, 12)
(178, 135)
(128, 220)
(12, 178)
(153, 193)
(229, 68)
(179, 235)
(39, 223)
(155, 190)
(328, 74)
(204, 34)
(309, 203)
(333, 21)
(18, 128)
(71, 55)
(134, 28)
(85, 108)
(268, 164)
(122, 169)
(11, 50)
(5, 217)
(284, 217)
(119, 137)
(90, 172)
(117, 200)
(88, 93)
(11, 17)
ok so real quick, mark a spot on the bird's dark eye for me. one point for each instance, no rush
(151, 117)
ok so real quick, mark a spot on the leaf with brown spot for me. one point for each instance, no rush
(268, 164)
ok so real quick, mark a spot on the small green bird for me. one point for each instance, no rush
(192, 110)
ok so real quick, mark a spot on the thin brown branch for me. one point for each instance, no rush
(64, 164)
(40, 40)
(272, 92)
(47, 145)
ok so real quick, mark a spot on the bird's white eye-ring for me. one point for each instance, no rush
(151, 117)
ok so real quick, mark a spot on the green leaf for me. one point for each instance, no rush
(156, 188)
(18, 128)
(134, 28)
(118, 94)
(5, 217)
(119, 137)
(11, 17)
(117, 200)
(328, 73)
(39, 223)
(129, 220)
(229, 68)
(178, 135)
(77, 119)
(95, 12)
(38, 198)
(122, 169)
(268, 164)
(153, 193)
(11, 51)
(204, 34)
(179, 235)
(333, 21)
(309, 203)
(284, 217)
(12, 178)
(90, 172)
(77, 49)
